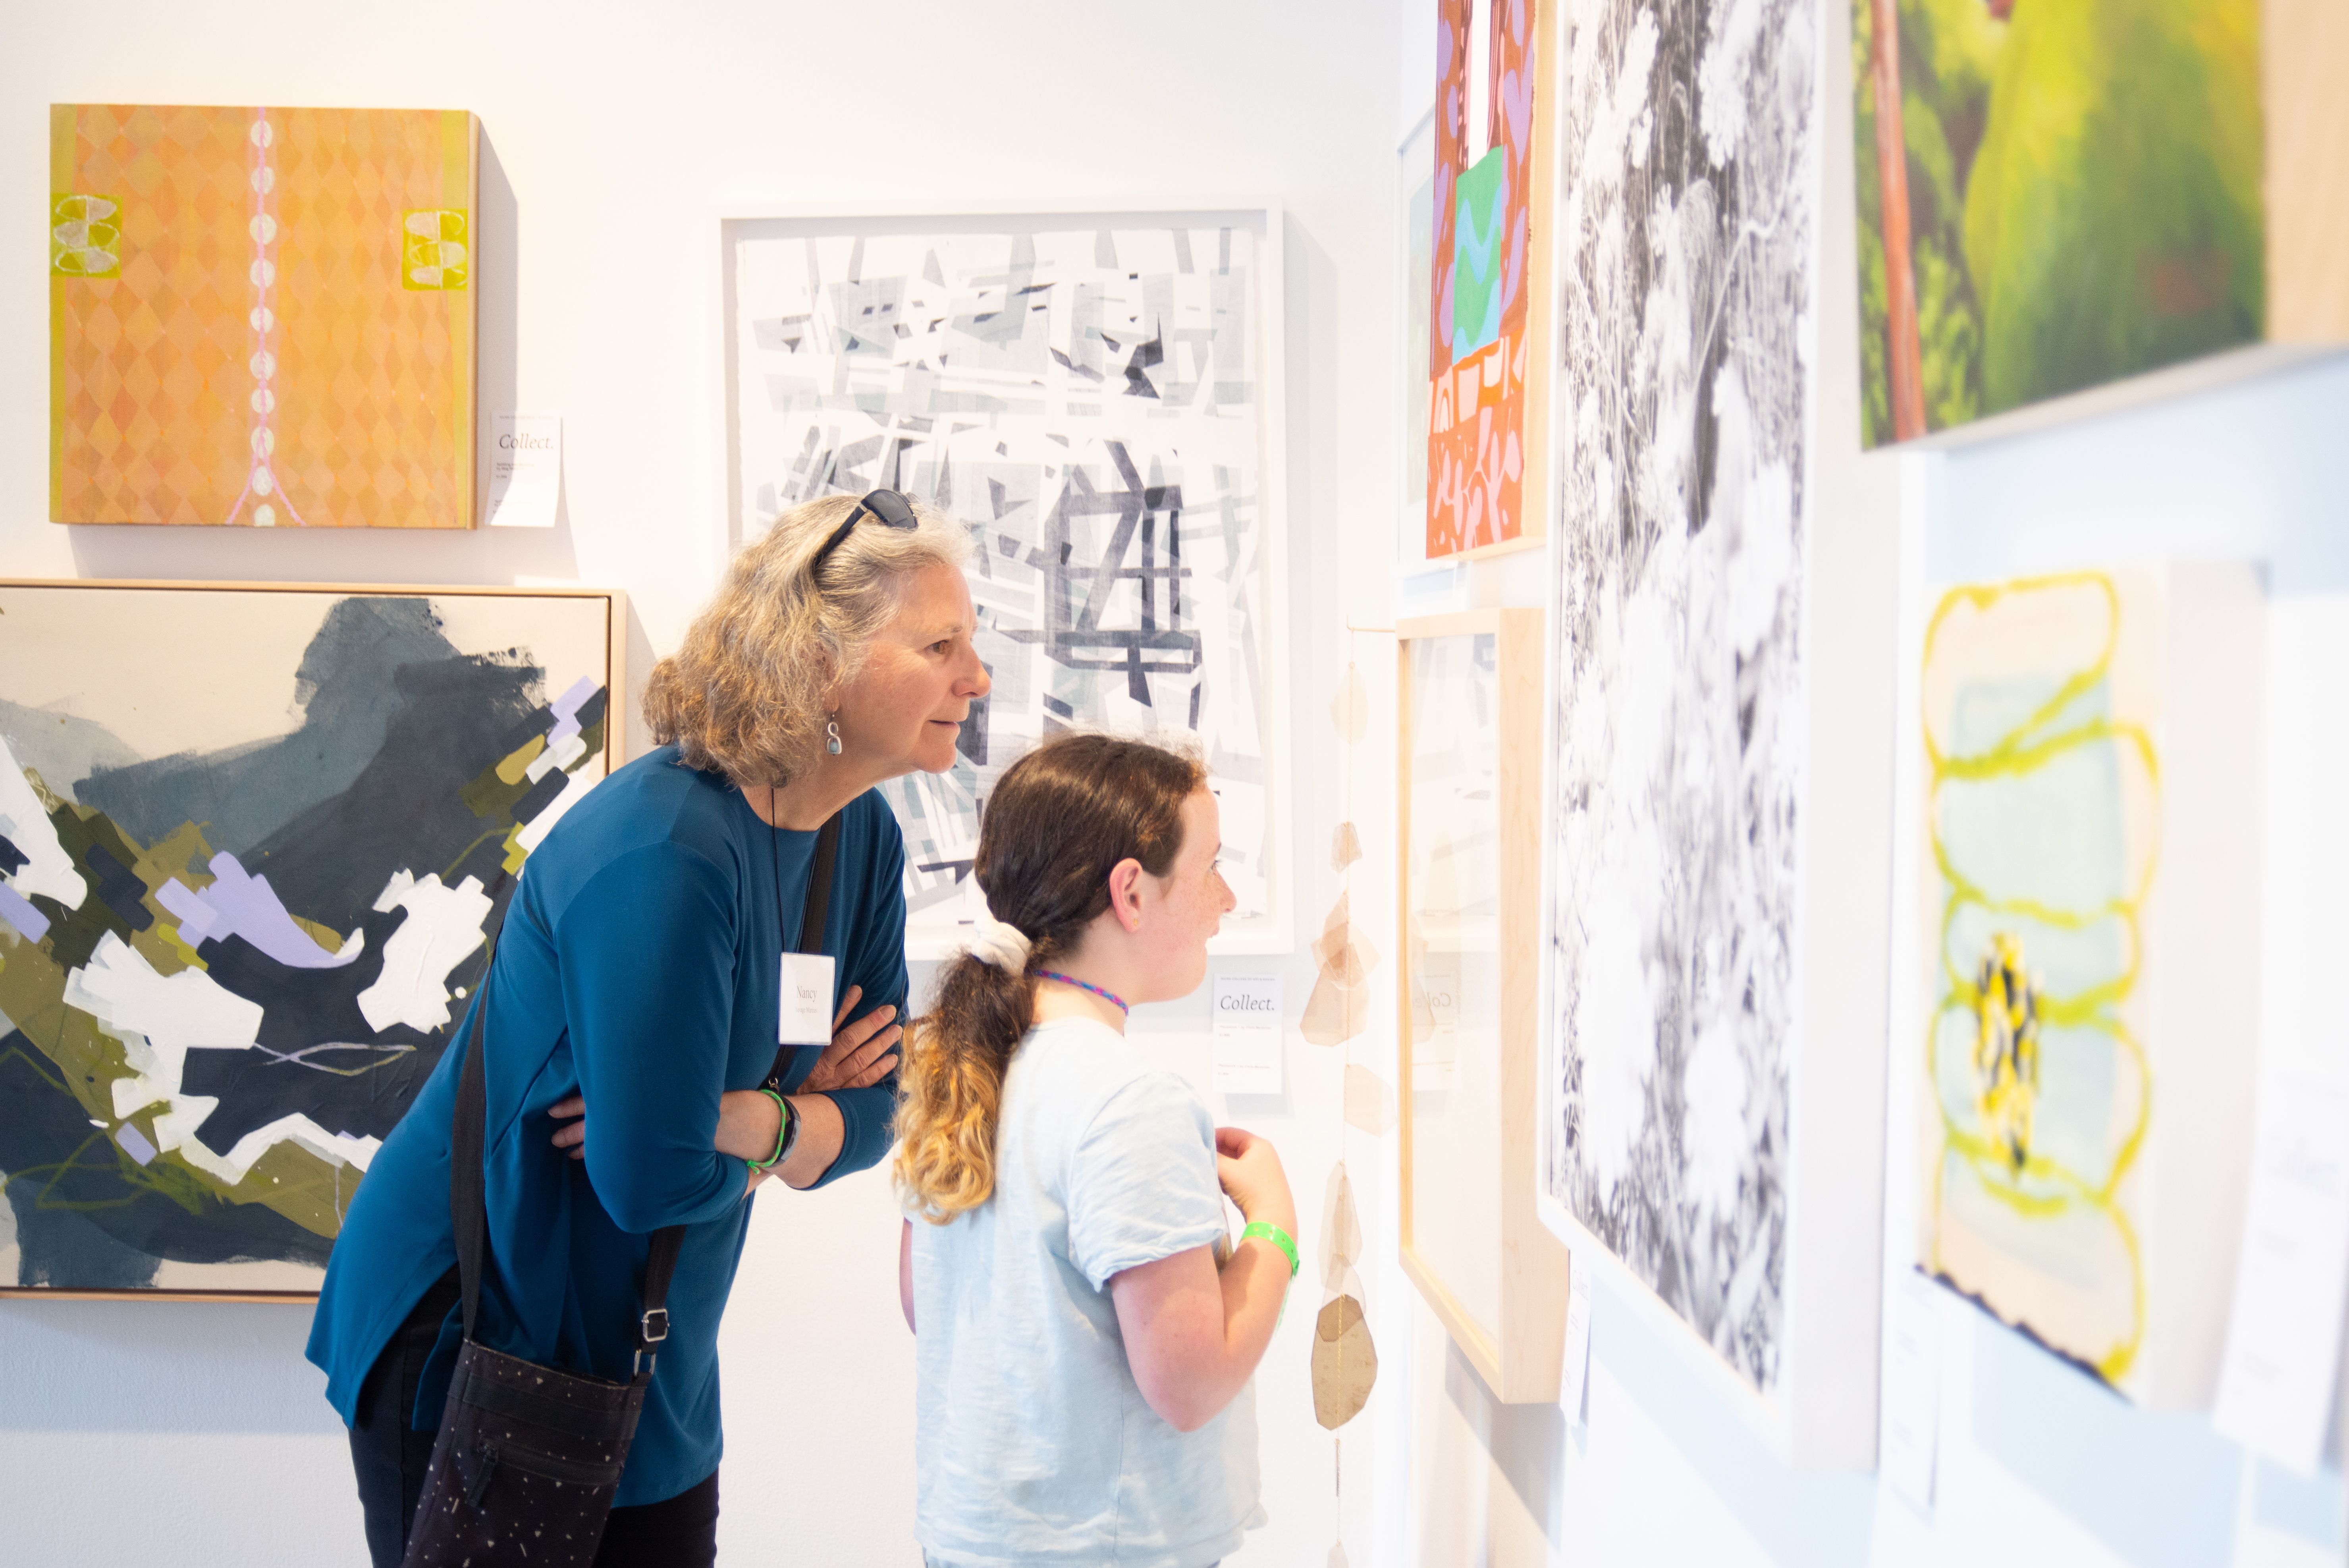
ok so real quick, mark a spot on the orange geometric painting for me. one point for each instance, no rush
(262, 317)
(1488, 323)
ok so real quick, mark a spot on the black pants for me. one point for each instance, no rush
(390, 1457)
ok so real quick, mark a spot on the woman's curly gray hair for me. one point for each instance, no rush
(745, 695)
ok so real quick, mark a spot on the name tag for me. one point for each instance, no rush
(807, 1000)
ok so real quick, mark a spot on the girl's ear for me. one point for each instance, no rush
(1126, 893)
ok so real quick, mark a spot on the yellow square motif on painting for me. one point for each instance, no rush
(85, 236)
(432, 250)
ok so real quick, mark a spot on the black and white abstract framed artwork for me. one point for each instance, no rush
(1688, 281)
(1097, 396)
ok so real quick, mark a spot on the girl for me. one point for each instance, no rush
(1083, 1362)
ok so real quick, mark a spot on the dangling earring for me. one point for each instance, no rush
(832, 734)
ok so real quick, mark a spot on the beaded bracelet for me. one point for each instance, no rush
(783, 1139)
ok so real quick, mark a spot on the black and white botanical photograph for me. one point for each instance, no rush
(1687, 215)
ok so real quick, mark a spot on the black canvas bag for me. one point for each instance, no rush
(528, 1458)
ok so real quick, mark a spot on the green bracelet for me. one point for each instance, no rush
(782, 1134)
(1278, 1237)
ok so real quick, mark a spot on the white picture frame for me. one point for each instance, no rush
(1819, 1409)
(934, 929)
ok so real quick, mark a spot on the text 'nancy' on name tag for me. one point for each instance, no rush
(807, 1000)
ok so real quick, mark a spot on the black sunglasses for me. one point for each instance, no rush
(890, 509)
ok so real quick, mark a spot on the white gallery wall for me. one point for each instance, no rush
(2038, 1466)
(195, 1434)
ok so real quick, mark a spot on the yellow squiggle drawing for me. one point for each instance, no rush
(2004, 1162)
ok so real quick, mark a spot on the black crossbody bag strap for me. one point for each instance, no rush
(468, 1211)
(811, 919)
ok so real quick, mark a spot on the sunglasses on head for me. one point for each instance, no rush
(885, 506)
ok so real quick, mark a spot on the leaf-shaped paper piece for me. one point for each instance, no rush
(1341, 1230)
(1345, 1362)
(1345, 847)
(1341, 951)
(1350, 710)
(1370, 1103)
(1346, 960)
(1333, 924)
(1338, 1556)
(1339, 1007)
(1335, 1013)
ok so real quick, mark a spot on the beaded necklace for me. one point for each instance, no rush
(1081, 986)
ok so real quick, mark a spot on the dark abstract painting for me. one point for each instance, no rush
(255, 845)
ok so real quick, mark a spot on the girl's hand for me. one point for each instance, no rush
(1249, 1169)
(860, 1055)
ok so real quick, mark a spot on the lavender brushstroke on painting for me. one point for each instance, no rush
(566, 710)
(30, 923)
(243, 906)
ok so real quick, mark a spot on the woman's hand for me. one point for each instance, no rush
(861, 1053)
(1249, 1169)
(572, 1135)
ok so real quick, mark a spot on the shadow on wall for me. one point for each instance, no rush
(372, 554)
(125, 1367)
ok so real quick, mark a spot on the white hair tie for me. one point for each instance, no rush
(1003, 945)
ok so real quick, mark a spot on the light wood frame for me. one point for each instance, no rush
(616, 735)
(1520, 1365)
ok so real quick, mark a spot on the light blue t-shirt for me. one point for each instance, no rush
(1033, 1444)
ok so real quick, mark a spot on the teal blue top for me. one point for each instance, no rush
(640, 965)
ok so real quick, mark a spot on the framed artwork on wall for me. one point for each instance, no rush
(1097, 396)
(2089, 960)
(262, 317)
(1490, 313)
(1713, 1094)
(2033, 226)
(1469, 806)
(256, 842)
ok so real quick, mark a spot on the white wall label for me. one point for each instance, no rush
(2277, 1385)
(1247, 1033)
(1435, 1043)
(1574, 1366)
(1911, 1412)
(525, 470)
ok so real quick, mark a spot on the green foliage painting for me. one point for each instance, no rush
(2081, 185)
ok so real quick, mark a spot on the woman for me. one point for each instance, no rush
(640, 977)
(1083, 1364)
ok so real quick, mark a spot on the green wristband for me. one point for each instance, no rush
(1279, 1238)
(783, 1139)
